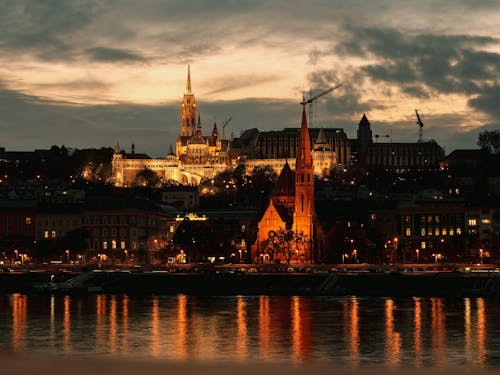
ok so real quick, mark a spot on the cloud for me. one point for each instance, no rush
(226, 84)
(106, 54)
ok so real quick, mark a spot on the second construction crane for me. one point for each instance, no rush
(420, 127)
(312, 98)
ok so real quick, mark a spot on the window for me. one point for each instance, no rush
(46, 234)
(53, 234)
(459, 231)
(113, 244)
(243, 228)
(422, 231)
(472, 222)
(429, 231)
(27, 220)
(408, 232)
(429, 219)
(451, 232)
(171, 229)
(122, 245)
(422, 245)
(485, 221)
(444, 231)
(373, 216)
(105, 245)
(267, 222)
(436, 231)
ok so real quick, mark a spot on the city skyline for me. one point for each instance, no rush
(71, 74)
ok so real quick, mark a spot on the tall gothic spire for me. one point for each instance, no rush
(304, 157)
(188, 84)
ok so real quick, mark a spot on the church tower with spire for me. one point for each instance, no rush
(188, 109)
(304, 214)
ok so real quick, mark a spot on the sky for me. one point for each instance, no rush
(91, 73)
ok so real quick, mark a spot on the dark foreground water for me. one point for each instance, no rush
(348, 331)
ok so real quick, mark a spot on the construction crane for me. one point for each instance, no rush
(420, 127)
(313, 98)
(224, 127)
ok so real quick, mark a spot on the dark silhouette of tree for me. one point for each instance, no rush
(147, 177)
(490, 141)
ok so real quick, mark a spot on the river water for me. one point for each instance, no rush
(346, 331)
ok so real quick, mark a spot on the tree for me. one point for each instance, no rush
(147, 177)
(490, 141)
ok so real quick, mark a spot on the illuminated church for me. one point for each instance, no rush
(197, 156)
(287, 230)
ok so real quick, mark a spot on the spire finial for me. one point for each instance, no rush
(188, 85)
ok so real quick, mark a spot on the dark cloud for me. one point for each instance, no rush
(106, 54)
(227, 84)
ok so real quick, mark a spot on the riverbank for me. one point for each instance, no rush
(252, 281)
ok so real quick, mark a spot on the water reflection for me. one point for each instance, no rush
(417, 331)
(392, 338)
(346, 330)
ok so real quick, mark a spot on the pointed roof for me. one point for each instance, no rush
(170, 150)
(198, 127)
(117, 148)
(321, 136)
(285, 184)
(215, 132)
(304, 157)
(188, 83)
(364, 121)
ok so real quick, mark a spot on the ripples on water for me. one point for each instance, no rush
(350, 331)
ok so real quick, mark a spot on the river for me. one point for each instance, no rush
(346, 331)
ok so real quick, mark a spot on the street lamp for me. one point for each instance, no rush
(355, 256)
(481, 255)
(344, 256)
(417, 251)
(67, 255)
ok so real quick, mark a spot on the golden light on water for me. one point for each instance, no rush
(67, 324)
(417, 332)
(299, 329)
(392, 338)
(19, 305)
(264, 327)
(241, 324)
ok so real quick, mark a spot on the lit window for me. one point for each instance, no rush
(53, 234)
(122, 245)
(46, 234)
(243, 228)
(267, 222)
(444, 232)
(429, 231)
(422, 231)
(171, 228)
(472, 222)
(28, 220)
(436, 231)
(373, 216)
(105, 245)
(113, 244)
(422, 245)
(451, 232)
(459, 231)
(436, 219)
(429, 219)
(485, 221)
(408, 232)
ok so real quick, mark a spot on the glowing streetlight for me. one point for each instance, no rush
(355, 256)
(481, 255)
(417, 251)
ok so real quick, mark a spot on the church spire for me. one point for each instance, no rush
(188, 84)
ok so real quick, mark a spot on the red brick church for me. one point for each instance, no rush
(287, 231)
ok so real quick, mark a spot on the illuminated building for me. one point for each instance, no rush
(196, 157)
(286, 230)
